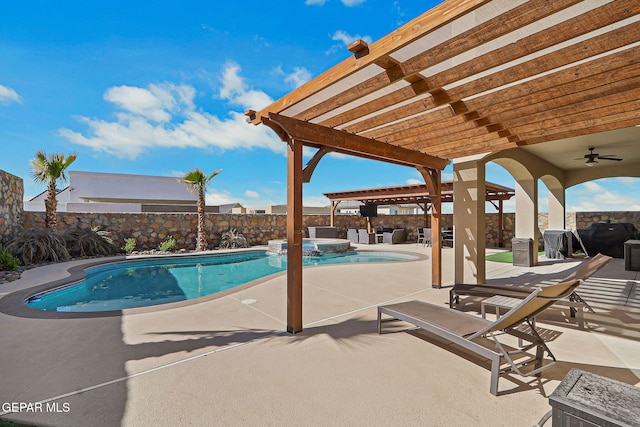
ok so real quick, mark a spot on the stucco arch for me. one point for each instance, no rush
(615, 170)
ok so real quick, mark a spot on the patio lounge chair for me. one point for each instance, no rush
(575, 302)
(468, 331)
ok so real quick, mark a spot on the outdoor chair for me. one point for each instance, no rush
(424, 236)
(352, 235)
(364, 237)
(399, 235)
(574, 301)
(468, 331)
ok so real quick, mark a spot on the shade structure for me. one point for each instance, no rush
(471, 77)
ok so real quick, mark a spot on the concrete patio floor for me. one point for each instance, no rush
(220, 361)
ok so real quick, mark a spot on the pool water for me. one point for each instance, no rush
(160, 281)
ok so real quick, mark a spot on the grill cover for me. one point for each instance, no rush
(607, 238)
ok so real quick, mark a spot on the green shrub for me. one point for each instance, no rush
(168, 245)
(35, 246)
(129, 245)
(91, 242)
(7, 261)
(232, 239)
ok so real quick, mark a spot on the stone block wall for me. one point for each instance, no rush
(11, 205)
(585, 219)
(150, 229)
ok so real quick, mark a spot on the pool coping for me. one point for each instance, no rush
(13, 303)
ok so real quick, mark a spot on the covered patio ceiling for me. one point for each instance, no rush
(407, 194)
(478, 76)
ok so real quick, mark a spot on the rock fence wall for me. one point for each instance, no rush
(11, 205)
(150, 229)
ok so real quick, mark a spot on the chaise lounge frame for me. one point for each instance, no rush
(464, 329)
(574, 301)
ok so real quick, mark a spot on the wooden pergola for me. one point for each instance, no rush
(419, 195)
(465, 78)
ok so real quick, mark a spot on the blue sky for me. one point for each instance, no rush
(160, 88)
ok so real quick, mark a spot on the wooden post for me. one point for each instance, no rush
(332, 220)
(500, 224)
(294, 236)
(436, 232)
(432, 179)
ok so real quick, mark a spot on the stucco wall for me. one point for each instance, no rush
(11, 205)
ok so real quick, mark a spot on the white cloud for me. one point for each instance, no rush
(315, 201)
(315, 2)
(627, 180)
(252, 194)
(346, 38)
(8, 95)
(155, 103)
(413, 181)
(235, 90)
(164, 116)
(299, 77)
(219, 197)
(592, 196)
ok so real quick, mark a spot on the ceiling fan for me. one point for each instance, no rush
(592, 158)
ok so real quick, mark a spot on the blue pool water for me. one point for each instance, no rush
(159, 281)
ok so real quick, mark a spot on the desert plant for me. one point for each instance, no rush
(50, 169)
(197, 182)
(7, 261)
(90, 242)
(36, 245)
(129, 245)
(168, 245)
(232, 239)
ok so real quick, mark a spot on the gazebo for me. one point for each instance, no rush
(530, 85)
(420, 195)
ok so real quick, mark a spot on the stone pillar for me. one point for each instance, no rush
(469, 223)
(11, 206)
(527, 212)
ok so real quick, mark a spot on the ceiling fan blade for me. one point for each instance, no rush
(609, 158)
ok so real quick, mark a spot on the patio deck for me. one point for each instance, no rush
(223, 362)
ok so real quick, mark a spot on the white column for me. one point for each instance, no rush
(469, 223)
(527, 212)
(557, 209)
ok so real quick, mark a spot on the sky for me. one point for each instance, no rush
(160, 88)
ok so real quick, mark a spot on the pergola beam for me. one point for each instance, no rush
(344, 142)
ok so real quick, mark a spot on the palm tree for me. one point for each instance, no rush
(197, 182)
(49, 169)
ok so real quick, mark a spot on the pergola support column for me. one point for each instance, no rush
(294, 236)
(432, 178)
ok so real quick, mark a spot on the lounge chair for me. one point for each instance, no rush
(467, 331)
(575, 302)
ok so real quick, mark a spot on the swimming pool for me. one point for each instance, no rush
(142, 283)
